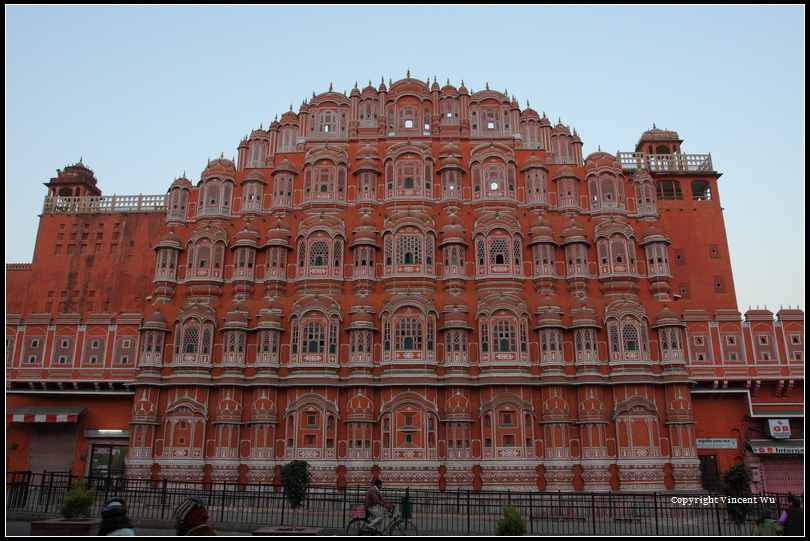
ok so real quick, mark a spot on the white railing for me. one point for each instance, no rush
(665, 162)
(112, 203)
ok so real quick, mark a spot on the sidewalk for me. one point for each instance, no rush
(20, 528)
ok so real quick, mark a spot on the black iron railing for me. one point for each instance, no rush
(447, 512)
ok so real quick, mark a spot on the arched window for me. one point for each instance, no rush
(206, 259)
(318, 254)
(313, 338)
(178, 199)
(193, 342)
(408, 334)
(504, 336)
(628, 339)
(409, 251)
(216, 197)
(282, 190)
(498, 253)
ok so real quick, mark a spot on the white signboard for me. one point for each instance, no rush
(717, 443)
(780, 428)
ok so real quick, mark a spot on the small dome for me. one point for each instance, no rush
(289, 117)
(255, 176)
(156, 321)
(458, 408)
(270, 315)
(573, 232)
(237, 315)
(285, 165)
(450, 150)
(181, 182)
(360, 408)
(248, 236)
(369, 90)
(452, 231)
(263, 410)
(561, 128)
(653, 234)
(602, 160)
(657, 134)
(258, 134)
(548, 314)
(362, 303)
(170, 240)
(564, 171)
(221, 167)
(533, 162)
(667, 318)
(448, 162)
(278, 235)
(368, 152)
(455, 302)
(365, 221)
(555, 408)
(229, 409)
(529, 114)
(679, 409)
(591, 409)
(583, 314)
(455, 319)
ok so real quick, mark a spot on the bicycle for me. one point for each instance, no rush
(396, 526)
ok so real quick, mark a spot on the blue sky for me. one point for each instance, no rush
(145, 94)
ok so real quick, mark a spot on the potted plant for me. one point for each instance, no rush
(76, 511)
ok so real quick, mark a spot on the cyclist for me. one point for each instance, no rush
(375, 505)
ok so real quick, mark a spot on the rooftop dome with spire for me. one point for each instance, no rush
(667, 318)
(220, 167)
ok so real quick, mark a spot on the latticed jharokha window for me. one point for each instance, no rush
(313, 338)
(408, 334)
(504, 338)
(409, 250)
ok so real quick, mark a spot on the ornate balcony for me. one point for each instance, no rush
(666, 163)
(104, 204)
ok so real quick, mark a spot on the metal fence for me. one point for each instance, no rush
(443, 512)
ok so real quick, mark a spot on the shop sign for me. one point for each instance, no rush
(776, 450)
(717, 443)
(780, 428)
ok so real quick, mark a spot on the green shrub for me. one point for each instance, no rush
(295, 479)
(737, 484)
(511, 523)
(78, 501)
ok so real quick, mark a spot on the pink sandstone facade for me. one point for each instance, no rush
(419, 283)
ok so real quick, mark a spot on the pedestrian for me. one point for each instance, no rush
(766, 525)
(793, 517)
(114, 520)
(375, 504)
(192, 518)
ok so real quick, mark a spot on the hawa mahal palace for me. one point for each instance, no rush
(414, 282)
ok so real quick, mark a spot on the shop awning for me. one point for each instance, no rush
(788, 410)
(32, 414)
(776, 447)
